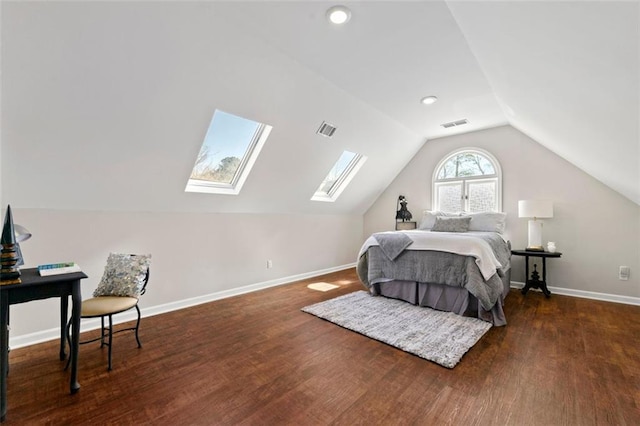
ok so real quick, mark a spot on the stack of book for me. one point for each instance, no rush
(58, 268)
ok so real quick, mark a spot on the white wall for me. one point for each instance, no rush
(194, 254)
(104, 108)
(596, 228)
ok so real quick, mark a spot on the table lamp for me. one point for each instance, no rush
(534, 210)
(22, 234)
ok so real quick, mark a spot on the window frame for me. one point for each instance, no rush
(244, 168)
(342, 181)
(464, 181)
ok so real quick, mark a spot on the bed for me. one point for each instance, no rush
(454, 262)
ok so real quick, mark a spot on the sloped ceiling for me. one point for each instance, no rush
(105, 105)
(567, 74)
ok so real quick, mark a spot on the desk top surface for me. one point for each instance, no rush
(31, 277)
(533, 253)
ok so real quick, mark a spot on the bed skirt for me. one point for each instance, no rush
(445, 298)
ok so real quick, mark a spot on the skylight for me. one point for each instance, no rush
(230, 148)
(339, 176)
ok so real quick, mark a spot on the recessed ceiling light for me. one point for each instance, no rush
(428, 100)
(338, 15)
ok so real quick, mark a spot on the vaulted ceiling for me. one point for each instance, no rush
(111, 100)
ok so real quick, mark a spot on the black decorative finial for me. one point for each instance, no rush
(8, 233)
(9, 273)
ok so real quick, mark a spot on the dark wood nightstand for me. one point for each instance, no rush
(534, 281)
(405, 226)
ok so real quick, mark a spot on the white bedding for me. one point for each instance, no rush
(465, 244)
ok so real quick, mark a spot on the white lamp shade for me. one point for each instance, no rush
(535, 208)
(22, 233)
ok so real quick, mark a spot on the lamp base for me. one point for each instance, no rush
(535, 236)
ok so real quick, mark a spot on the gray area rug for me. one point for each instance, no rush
(441, 337)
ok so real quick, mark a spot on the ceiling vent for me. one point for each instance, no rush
(326, 129)
(455, 123)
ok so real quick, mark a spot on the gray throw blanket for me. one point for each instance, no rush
(392, 244)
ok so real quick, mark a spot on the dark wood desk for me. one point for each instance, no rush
(534, 281)
(35, 287)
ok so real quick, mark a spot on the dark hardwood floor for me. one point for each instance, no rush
(257, 359)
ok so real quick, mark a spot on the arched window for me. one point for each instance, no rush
(469, 180)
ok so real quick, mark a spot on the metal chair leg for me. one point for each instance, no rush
(110, 340)
(138, 326)
(106, 333)
(66, 367)
(102, 331)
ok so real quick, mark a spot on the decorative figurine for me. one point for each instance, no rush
(403, 214)
(9, 273)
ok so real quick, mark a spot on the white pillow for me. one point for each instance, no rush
(429, 218)
(487, 221)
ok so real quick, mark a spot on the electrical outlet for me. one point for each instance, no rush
(269, 264)
(624, 272)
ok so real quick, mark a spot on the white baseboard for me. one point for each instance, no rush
(627, 300)
(54, 333)
(92, 324)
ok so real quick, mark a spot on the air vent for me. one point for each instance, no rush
(326, 129)
(455, 123)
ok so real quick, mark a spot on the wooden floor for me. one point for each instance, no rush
(257, 359)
